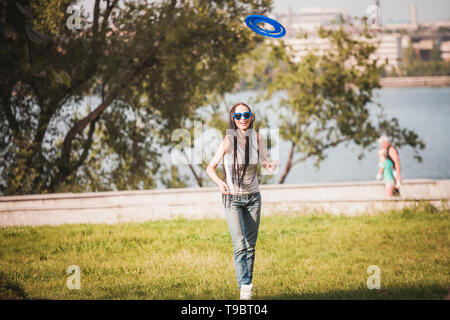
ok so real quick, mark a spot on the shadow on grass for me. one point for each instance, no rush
(10, 290)
(430, 292)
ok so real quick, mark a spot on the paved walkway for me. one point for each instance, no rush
(349, 198)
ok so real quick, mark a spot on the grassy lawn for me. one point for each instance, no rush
(297, 257)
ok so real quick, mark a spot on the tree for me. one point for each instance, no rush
(412, 65)
(155, 64)
(172, 178)
(409, 55)
(328, 96)
(435, 54)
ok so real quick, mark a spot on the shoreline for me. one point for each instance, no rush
(405, 82)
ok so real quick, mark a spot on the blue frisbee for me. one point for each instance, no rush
(253, 20)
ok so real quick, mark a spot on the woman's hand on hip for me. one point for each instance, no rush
(224, 188)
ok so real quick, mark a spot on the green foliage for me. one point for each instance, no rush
(154, 65)
(328, 97)
(172, 178)
(409, 55)
(426, 68)
(412, 65)
(49, 16)
(435, 54)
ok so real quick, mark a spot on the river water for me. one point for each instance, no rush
(426, 110)
(422, 109)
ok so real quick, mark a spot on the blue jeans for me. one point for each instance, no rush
(243, 216)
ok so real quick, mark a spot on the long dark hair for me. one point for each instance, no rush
(237, 179)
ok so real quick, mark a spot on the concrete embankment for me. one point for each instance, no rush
(350, 198)
(438, 81)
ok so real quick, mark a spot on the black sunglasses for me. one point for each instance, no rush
(246, 115)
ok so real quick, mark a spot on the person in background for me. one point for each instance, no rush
(393, 156)
(385, 171)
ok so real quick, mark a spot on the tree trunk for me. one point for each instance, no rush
(199, 181)
(288, 165)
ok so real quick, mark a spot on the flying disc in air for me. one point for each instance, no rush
(253, 20)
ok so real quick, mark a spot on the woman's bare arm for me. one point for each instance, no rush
(393, 153)
(381, 160)
(264, 161)
(211, 169)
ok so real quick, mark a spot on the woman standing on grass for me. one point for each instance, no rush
(240, 190)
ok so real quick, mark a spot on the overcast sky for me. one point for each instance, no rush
(391, 10)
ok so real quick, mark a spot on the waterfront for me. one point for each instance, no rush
(426, 110)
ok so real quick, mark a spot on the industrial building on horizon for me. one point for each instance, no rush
(392, 37)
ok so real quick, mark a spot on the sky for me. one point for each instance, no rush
(391, 10)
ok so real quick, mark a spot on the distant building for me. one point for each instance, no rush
(413, 14)
(389, 48)
(423, 48)
(392, 37)
(309, 20)
(435, 25)
(445, 50)
(301, 46)
(412, 24)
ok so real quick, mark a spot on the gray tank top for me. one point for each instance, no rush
(250, 182)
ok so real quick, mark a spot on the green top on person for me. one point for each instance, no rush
(388, 172)
(386, 167)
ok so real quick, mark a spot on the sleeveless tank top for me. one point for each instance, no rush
(389, 157)
(250, 182)
(388, 175)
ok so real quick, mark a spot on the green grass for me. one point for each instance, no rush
(297, 257)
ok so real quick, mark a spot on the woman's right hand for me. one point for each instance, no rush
(223, 188)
